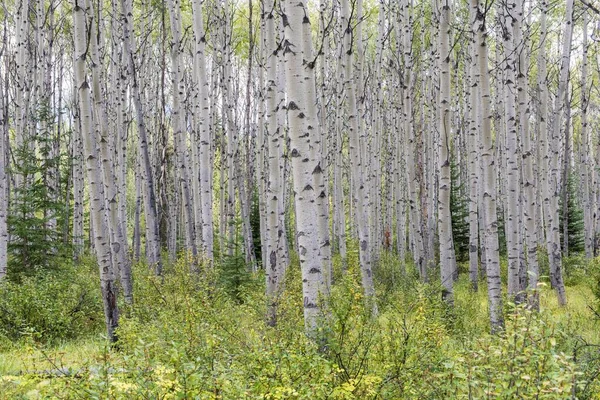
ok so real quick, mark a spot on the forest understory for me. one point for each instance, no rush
(207, 337)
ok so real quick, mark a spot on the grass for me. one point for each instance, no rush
(224, 344)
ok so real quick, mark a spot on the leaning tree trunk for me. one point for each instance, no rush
(150, 207)
(101, 242)
(120, 259)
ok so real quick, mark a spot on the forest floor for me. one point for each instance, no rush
(207, 338)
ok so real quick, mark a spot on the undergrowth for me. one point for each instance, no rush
(206, 337)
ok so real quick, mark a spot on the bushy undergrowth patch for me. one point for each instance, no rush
(51, 306)
(191, 337)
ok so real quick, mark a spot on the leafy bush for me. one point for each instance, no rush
(58, 304)
(189, 336)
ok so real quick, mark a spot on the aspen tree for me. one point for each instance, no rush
(276, 262)
(206, 182)
(150, 207)
(178, 119)
(3, 175)
(529, 183)
(586, 160)
(101, 242)
(410, 146)
(492, 261)
(357, 142)
(120, 260)
(339, 213)
(554, 184)
(78, 179)
(512, 211)
(473, 150)
(447, 256)
(303, 166)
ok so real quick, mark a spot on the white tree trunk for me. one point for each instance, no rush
(587, 162)
(492, 261)
(97, 215)
(179, 130)
(303, 166)
(3, 175)
(512, 211)
(554, 173)
(356, 141)
(447, 256)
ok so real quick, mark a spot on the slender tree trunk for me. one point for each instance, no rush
(102, 245)
(529, 183)
(356, 138)
(473, 156)
(512, 212)
(447, 256)
(206, 182)
(120, 259)
(179, 129)
(554, 184)
(587, 162)
(492, 261)
(3, 175)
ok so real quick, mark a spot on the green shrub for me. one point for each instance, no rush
(58, 304)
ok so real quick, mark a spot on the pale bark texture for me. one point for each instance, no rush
(492, 261)
(274, 233)
(101, 242)
(303, 166)
(512, 211)
(360, 187)
(554, 173)
(587, 161)
(179, 129)
(529, 182)
(3, 176)
(206, 183)
(447, 256)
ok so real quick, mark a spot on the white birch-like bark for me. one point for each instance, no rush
(339, 212)
(206, 183)
(179, 130)
(473, 153)
(492, 262)
(587, 161)
(276, 260)
(529, 182)
(120, 260)
(97, 214)
(312, 120)
(447, 256)
(150, 207)
(554, 173)
(305, 188)
(357, 142)
(512, 211)
(3, 175)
